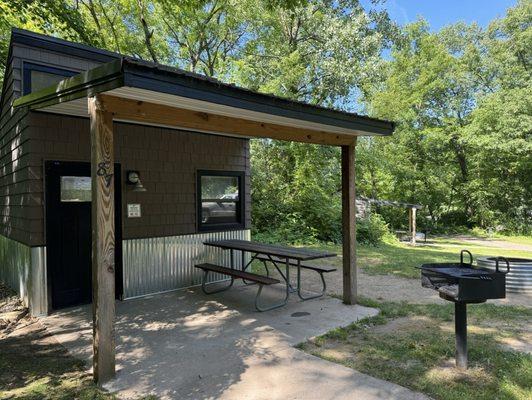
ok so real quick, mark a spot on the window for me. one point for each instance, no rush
(220, 204)
(37, 77)
(76, 189)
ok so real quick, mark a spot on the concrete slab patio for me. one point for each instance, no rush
(186, 345)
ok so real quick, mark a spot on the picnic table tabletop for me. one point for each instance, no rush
(295, 253)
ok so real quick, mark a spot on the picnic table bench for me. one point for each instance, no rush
(289, 256)
(261, 280)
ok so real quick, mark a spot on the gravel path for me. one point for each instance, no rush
(393, 288)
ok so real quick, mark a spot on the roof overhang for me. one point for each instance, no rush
(179, 99)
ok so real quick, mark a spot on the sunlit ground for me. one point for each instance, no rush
(394, 257)
(413, 345)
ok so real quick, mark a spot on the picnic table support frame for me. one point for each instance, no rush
(298, 289)
(349, 224)
(287, 279)
(222, 289)
(314, 296)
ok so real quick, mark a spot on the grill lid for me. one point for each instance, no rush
(457, 271)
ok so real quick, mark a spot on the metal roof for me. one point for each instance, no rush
(146, 81)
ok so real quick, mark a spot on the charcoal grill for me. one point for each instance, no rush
(463, 283)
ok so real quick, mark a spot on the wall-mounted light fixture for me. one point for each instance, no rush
(133, 178)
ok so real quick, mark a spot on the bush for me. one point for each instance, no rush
(293, 231)
(372, 230)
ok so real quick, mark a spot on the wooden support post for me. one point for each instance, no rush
(103, 241)
(349, 224)
(412, 224)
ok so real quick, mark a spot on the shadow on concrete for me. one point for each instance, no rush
(187, 345)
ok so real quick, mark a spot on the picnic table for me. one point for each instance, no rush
(267, 254)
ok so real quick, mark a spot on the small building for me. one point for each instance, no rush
(363, 207)
(145, 162)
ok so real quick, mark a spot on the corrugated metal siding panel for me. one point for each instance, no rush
(15, 268)
(155, 265)
(23, 269)
(38, 298)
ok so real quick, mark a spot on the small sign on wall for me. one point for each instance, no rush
(133, 211)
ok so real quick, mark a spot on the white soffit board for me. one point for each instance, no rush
(79, 108)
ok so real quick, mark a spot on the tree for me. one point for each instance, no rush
(206, 35)
(499, 135)
(461, 98)
(52, 17)
(321, 51)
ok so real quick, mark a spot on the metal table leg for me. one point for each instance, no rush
(204, 285)
(258, 305)
(288, 287)
(314, 296)
(284, 276)
(245, 267)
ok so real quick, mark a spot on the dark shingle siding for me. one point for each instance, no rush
(21, 168)
(166, 159)
(19, 209)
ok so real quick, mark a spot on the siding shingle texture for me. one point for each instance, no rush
(21, 180)
(167, 160)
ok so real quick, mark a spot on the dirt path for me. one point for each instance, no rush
(393, 288)
(33, 365)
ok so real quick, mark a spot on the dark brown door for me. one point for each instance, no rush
(68, 232)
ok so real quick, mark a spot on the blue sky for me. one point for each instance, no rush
(443, 12)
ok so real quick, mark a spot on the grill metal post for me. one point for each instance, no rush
(460, 327)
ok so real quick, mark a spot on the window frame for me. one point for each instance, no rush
(29, 66)
(240, 205)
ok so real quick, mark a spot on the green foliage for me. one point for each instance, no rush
(461, 98)
(319, 51)
(295, 190)
(372, 230)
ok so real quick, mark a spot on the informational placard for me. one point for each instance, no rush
(133, 211)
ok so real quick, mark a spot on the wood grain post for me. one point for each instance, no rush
(349, 224)
(413, 224)
(103, 241)
(410, 223)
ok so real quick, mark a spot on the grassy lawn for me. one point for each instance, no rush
(401, 259)
(515, 239)
(413, 346)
